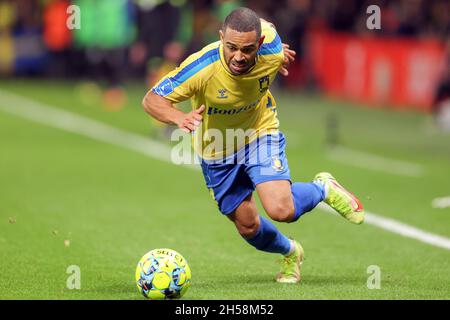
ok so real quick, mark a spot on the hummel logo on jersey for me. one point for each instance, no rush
(222, 94)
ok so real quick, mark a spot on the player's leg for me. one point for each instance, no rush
(246, 218)
(257, 230)
(263, 235)
(232, 189)
(268, 169)
(285, 202)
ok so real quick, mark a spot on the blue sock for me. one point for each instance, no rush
(269, 239)
(307, 196)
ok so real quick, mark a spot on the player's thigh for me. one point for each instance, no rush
(246, 217)
(276, 198)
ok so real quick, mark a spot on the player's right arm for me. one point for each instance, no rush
(163, 110)
(179, 85)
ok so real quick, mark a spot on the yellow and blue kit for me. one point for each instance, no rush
(233, 102)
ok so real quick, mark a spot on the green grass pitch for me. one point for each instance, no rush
(70, 200)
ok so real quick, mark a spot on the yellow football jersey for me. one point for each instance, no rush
(231, 101)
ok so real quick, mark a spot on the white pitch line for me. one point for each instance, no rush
(400, 228)
(374, 162)
(75, 123)
(68, 121)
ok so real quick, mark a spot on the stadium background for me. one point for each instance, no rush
(85, 178)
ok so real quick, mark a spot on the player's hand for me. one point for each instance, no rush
(190, 121)
(289, 56)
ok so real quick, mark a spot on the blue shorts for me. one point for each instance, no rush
(231, 180)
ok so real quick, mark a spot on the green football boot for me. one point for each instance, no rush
(341, 200)
(290, 266)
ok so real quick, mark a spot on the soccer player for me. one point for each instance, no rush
(228, 83)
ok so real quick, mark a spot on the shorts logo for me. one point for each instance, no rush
(263, 83)
(277, 165)
(222, 93)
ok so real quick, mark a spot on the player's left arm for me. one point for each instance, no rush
(289, 54)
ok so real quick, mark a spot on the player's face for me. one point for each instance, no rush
(240, 49)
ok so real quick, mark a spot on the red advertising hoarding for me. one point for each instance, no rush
(378, 71)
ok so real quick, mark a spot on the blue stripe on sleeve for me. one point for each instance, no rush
(168, 85)
(272, 47)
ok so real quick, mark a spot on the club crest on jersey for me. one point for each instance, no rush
(277, 165)
(222, 93)
(263, 83)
